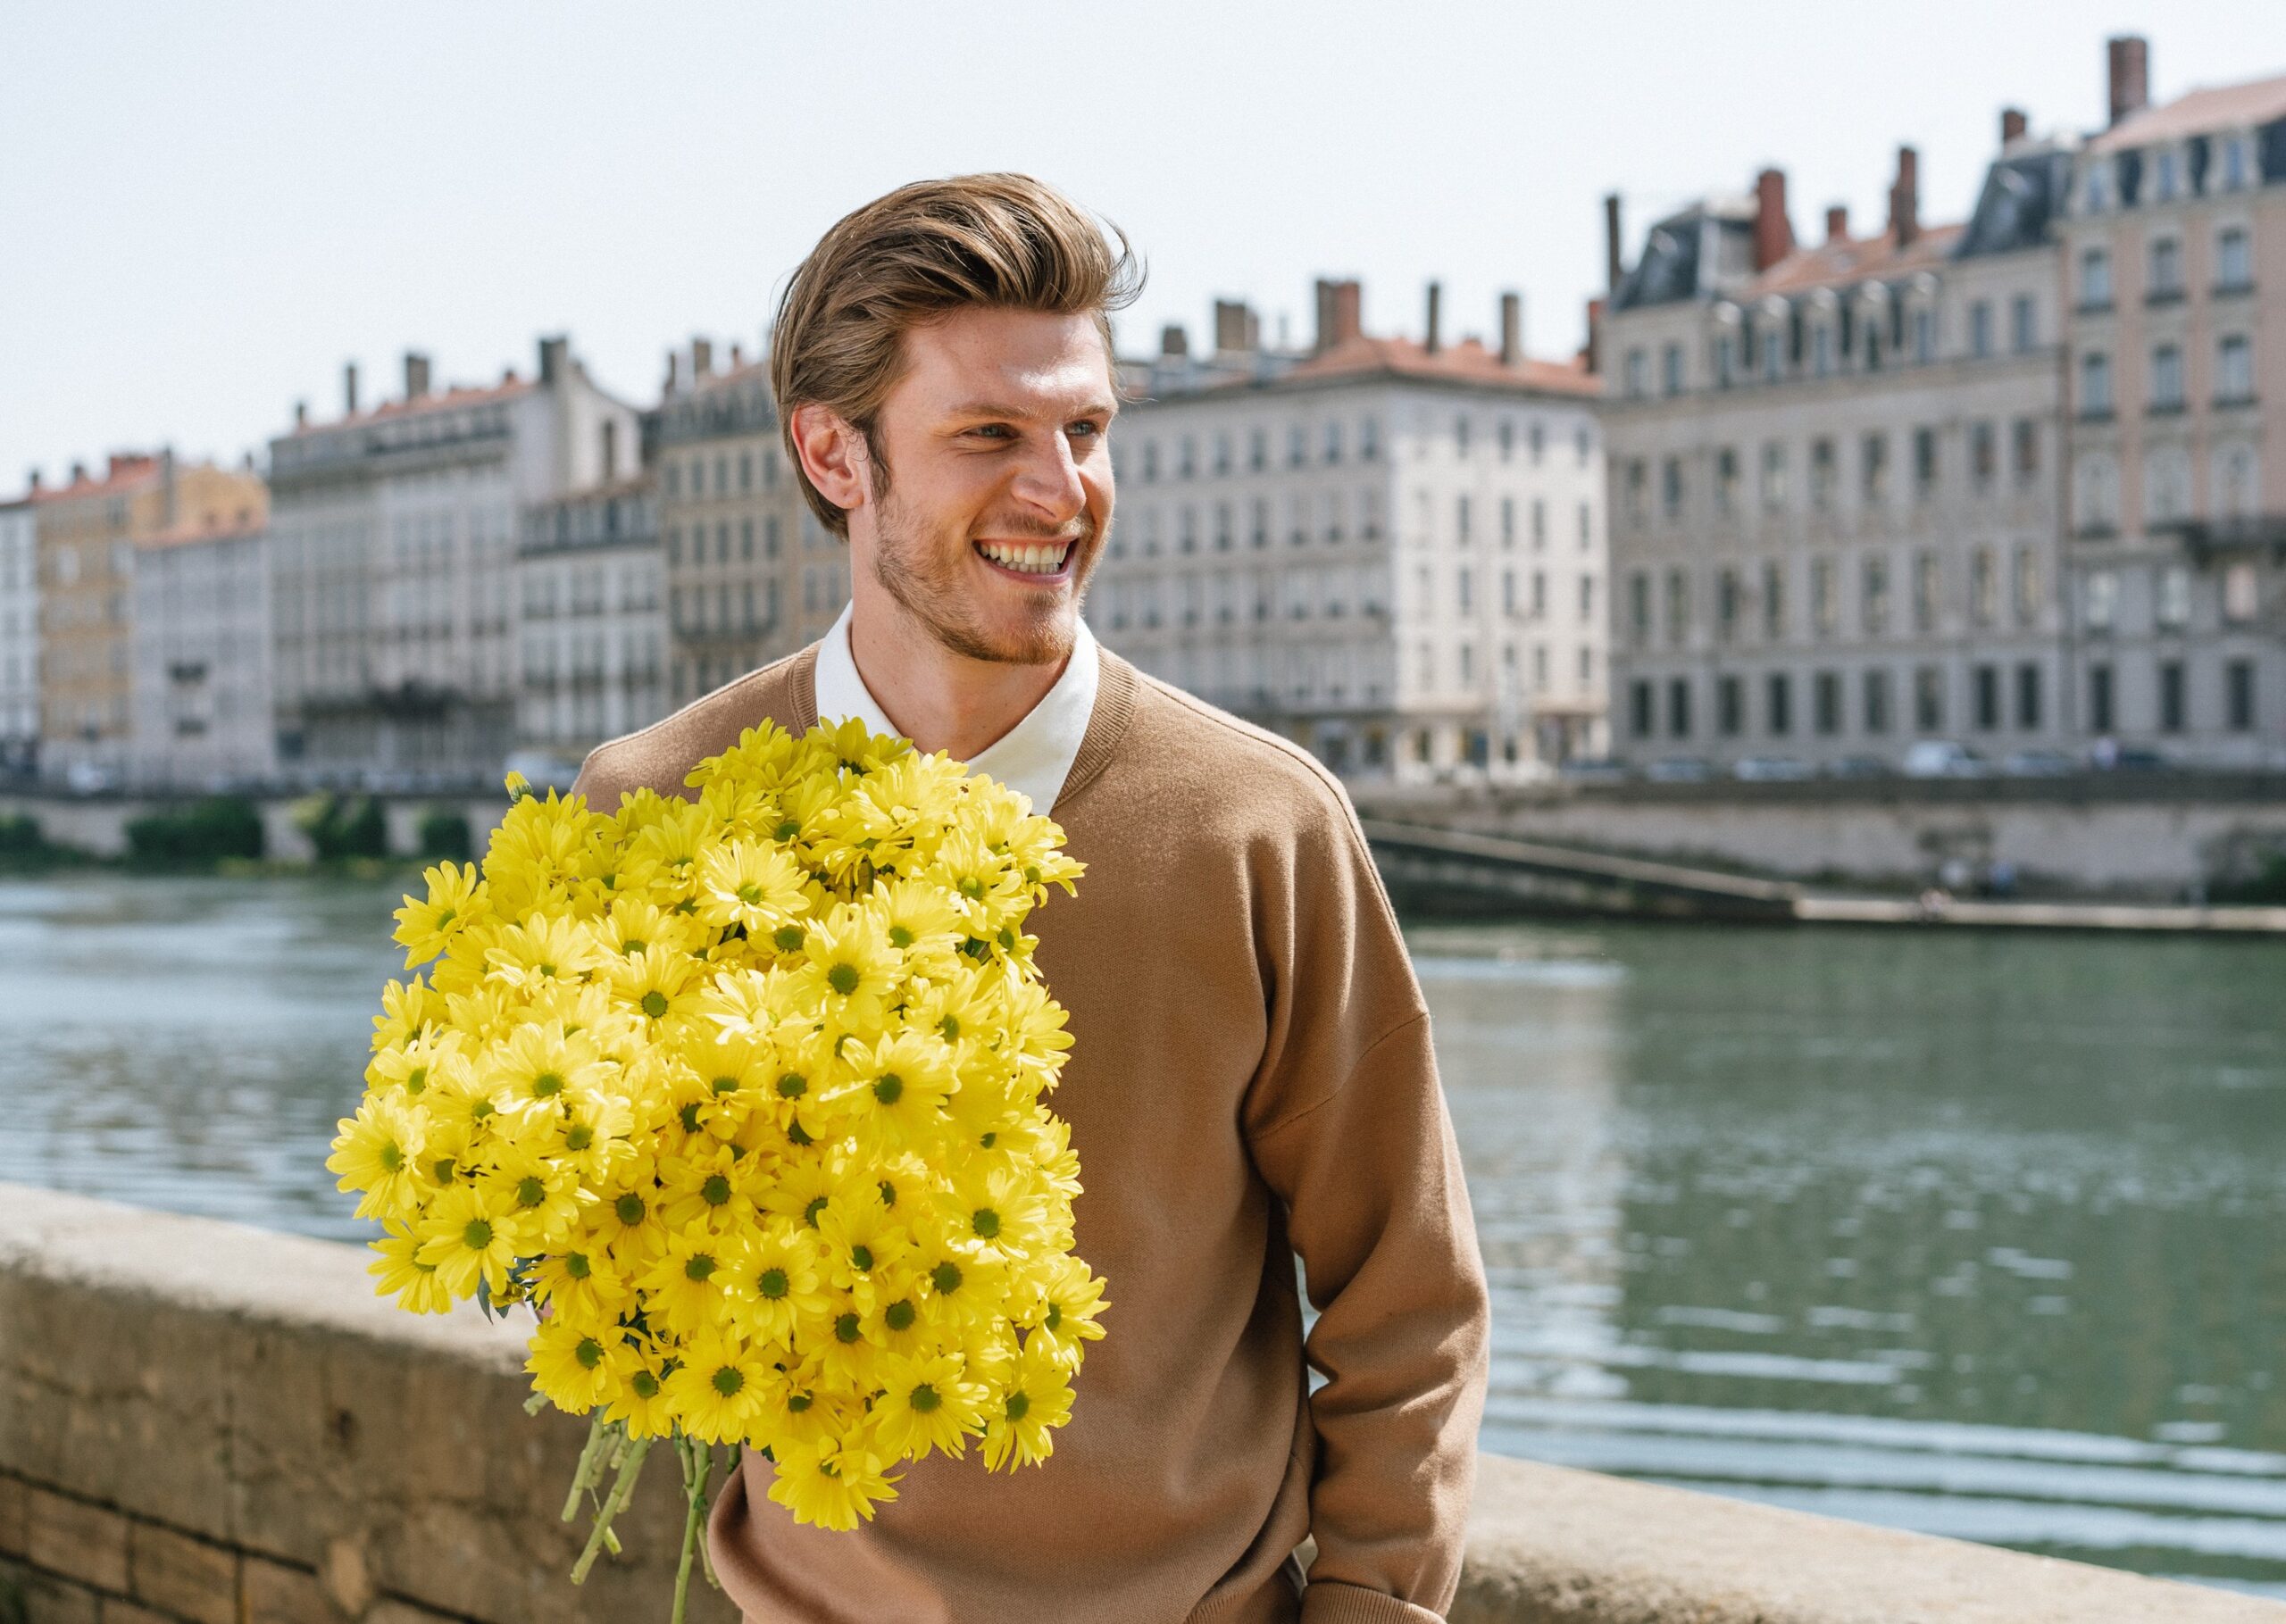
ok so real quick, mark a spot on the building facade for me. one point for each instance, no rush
(751, 574)
(591, 593)
(2174, 247)
(201, 696)
(1834, 475)
(18, 640)
(393, 550)
(1389, 551)
(88, 531)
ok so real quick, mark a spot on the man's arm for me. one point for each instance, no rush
(1361, 1151)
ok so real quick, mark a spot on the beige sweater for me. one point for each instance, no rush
(1250, 1078)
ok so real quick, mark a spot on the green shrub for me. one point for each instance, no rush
(201, 833)
(2265, 886)
(20, 836)
(342, 827)
(444, 835)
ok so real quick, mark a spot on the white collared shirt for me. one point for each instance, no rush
(1035, 756)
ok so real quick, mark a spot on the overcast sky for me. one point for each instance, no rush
(205, 210)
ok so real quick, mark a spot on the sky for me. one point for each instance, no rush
(206, 210)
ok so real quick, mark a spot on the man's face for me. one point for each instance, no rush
(1000, 485)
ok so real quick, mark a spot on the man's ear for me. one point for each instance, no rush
(833, 455)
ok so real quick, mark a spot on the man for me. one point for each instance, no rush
(1251, 1075)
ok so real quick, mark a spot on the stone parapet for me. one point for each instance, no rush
(202, 1423)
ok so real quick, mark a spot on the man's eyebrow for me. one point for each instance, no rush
(1105, 407)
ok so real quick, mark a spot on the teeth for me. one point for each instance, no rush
(1046, 559)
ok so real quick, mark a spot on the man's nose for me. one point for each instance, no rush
(1049, 482)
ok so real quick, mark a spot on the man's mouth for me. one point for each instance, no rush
(1041, 561)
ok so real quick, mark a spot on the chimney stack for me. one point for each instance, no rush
(1614, 265)
(1837, 223)
(349, 389)
(702, 358)
(416, 375)
(2129, 56)
(1340, 315)
(168, 508)
(1237, 330)
(1904, 197)
(1430, 342)
(2012, 125)
(33, 480)
(1774, 233)
(1175, 342)
(1511, 329)
(301, 421)
(738, 355)
(1589, 351)
(553, 354)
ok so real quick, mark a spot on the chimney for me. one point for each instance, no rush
(1430, 341)
(1904, 197)
(1837, 223)
(702, 358)
(35, 481)
(167, 505)
(2130, 74)
(1174, 342)
(1588, 351)
(1774, 233)
(349, 389)
(301, 421)
(674, 373)
(1511, 329)
(611, 451)
(2012, 125)
(738, 355)
(416, 375)
(553, 354)
(1236, 329)
(1614, 268)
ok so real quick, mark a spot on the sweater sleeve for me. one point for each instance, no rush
(1353, 1136)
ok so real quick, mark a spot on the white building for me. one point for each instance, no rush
(1835, 475)
(201, 698)
(392, 538)
(1390, 551)
(18, 638)
(590, 586)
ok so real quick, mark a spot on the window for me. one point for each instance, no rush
(1927, 585)
(1461, 511)
(1679, 707)
(1726, 481)
(1638, 608)
(2233, 370)
(2024, 459)
(1507, 521)
(1773, 357)
(1539, 522)
(2100, 600)
(1877, 702)
(1726, 605)
(2100, 697)
(1822, 605)
(2028, 696)
(2166, 270)
(2238, 695)
(1539, 442)
(2025, 591)
(2172, 696)
(1984, 455)
(1587, 600)
(1638, 709)
(1632, 482)
(1507, 438)
(1634, 374)
(1461, 582)
(1924, 336)
(2241, 594)
(1678, 605)
(2095, 278)
(1333, 440)
(2168, 180)
(1670, 369)
(1774, 476)
(1730, 706)
(1929, 699)
(2167, 378)
(2096, 492)
(2095, 384)
(1822, 474)
(2235, 167)
(1539, 592)
(1873, 467)
(1670, 487)
(2233, 264)
(1369, 439)
(2023, 324)
(2166, 486)
(1587, 527)
(1774, 602)
(1150, 460)
(1983, 586)
(1980, 328)
(2098, 187)
(2174, 608)
(1825, 702)
(1777, 704)
(1298, 445)
(1924, 463)
(1874, 605)
(1986, 680)
(1821, 349)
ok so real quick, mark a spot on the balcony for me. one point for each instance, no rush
(2158, 297)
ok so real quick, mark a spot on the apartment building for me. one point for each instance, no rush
(751, 574)
(1389, 549)
(88, 532)
(393, 548)
(2174, 244)
(200, 709)
(19, 637)
(591, 593)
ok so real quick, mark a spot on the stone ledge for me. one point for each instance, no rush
(243, 1395)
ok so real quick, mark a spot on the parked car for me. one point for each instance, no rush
(1680, 770)
(1859, 767)
(1601, 770)
(90, 779)
(2140, 758)
(1771, 769)
(2039, 764)
(1944, 758)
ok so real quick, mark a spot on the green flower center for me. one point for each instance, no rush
(580, 1137)
(888, 1193)
(632, 946)
(898, 1315)
(478, 1235)
(972, 888)
(724, 1085)
(798, 1403)
(715, 1191)
(926, 1398)
(843, 978)
(773, 1284)
(861, 1259)
(788, 938)
(700, 1267)
(646, 1385)
(899, 936)
(729, 1381)
(889, 1088)
(950, 1025)
(590, 1354)
(416, 1079)
(946, 1277)
(750, 894)
(688, 1116)
(530, 1191)
(986, 1223)
(481, 1110)
(442, 1171)
(1019, 1403)
(818, 1203)
(655, 1003)
(392, 1156)
(798, 1135)
(630, 1208)
(792, 1086)
(1054, 1320)
(844, 1329)
(788, 828)
(576, 1265)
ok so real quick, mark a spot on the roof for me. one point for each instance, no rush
(2222, 107)
(1852, 259)
(748, 371)
(1467, 361)
(126, 471)
(245, 522)
(452, 399)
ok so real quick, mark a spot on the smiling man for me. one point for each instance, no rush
(1251, 1078)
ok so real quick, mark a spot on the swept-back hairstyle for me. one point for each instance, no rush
(1004, 242)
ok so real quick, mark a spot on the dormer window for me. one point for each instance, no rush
(2169, 172)
(2235, 167)
(2098, 191)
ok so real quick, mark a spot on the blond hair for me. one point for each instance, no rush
(1000, 241)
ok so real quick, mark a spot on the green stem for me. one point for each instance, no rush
(698, 1467)
(706, 1557)
(591, 1465)
(622, 1487)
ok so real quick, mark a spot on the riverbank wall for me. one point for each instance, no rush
(202, 1423)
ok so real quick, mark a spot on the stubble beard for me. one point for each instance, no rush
(923, 575)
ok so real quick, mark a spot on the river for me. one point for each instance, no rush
(1976, 1235)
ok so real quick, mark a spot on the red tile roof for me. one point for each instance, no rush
(1467, 361)
(2198, 112)
(126, 472)
(452, 399)
(1857, 259)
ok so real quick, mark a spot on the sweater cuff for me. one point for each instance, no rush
(1329, 1602)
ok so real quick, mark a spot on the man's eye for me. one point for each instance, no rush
(1085, 428)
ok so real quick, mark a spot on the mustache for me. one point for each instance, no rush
(1081, 529)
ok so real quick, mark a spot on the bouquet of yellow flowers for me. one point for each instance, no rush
(743, 1095)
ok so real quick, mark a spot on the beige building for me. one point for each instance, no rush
(2175, 248)
(1834, 473)
(591, 593)
(1390, 550)
(88, 531)
(18, 638)
(750, 572)
(201, 708)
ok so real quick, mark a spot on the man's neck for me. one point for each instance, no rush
(939, 699)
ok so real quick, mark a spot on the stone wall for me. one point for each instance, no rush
(206, 1424)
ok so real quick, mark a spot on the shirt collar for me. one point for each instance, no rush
(1034, 757)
